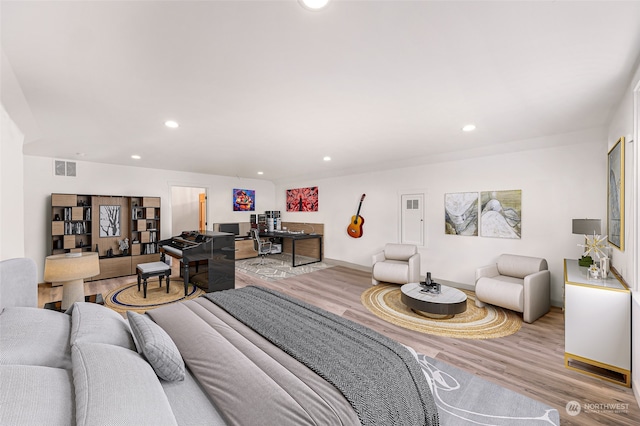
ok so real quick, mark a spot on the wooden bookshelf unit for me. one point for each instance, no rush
(85, 222)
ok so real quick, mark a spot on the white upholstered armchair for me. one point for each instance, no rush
(397, 263)
(519, 283)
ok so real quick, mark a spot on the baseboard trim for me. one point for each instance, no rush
(337, 262)
(465, 286)
(635, 347)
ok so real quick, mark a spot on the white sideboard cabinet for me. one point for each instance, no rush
(597, 314)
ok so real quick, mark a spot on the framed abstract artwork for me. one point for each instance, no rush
(244, 200)
(302, 199)
(501, 214)
(461, 213)
(615, 195)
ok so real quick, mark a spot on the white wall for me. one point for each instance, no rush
(106, 179)
(558, 184)
(622, 125)
(11, 189)
(185, 208)
(625, 123)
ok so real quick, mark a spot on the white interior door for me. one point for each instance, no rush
(412, 219)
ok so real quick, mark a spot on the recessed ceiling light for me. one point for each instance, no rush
(313, 4)
(136, 157)
(260, 173)
(172, 124)
(327, 158)
(469, 128)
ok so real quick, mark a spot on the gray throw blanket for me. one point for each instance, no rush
(379, 377)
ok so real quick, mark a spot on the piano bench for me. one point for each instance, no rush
(152, 269)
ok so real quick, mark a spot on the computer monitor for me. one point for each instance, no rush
(232, 228)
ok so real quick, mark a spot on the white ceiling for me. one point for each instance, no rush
(270, 86)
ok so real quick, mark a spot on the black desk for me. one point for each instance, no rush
(296, 237)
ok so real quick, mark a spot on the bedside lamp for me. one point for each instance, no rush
(71, 269)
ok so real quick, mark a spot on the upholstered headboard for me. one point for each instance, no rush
(18, 283)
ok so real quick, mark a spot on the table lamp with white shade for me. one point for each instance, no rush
(70, 270)
(595, 244)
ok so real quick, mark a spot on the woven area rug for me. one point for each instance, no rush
(277, 266)
(383, 300)
(128, 298)
(466, 399)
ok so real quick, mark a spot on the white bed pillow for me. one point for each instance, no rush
(115, 386)
(157, 347)
(95, 323)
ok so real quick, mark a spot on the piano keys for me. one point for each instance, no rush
(207, 259)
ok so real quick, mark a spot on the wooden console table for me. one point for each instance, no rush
(244, 249)
(297, 238)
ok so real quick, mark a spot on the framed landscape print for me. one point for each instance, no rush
(109, 221)
(615, 195)
(461, 213)
(501, 213)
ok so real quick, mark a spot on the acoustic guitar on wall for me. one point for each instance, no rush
(355, 226)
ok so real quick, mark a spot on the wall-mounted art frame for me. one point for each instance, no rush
(244, 200)
(461, 213)
(615, 195)
(302, 199)
(501, 214)
(109, 221)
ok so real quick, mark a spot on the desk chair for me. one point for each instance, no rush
(262, 247)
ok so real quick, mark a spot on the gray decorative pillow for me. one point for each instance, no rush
(157, 347)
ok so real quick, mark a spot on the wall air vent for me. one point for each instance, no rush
(64, 168)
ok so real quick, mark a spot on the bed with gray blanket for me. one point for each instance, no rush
(240, 357)
(294, 363)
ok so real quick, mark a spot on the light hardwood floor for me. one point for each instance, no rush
(530, 361)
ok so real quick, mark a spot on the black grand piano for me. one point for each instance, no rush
(207, 258)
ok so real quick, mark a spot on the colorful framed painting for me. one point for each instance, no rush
(461, 214)
(501, 214)
(615, 195)
(244, 200)
(302, 199)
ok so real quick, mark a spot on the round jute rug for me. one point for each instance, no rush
(383, 300)
(128, 298)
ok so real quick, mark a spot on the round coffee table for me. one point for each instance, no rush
(446, 304)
